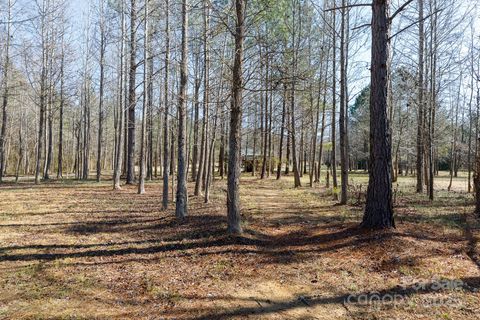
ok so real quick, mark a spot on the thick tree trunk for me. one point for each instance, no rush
(234, 157)
(379, 207)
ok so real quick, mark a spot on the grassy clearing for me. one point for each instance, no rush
(73, 250)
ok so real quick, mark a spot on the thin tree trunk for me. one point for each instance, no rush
(166, 151)
(146, 57)
(62, 103)
(282, 132)
(420, 129)
(476, 179)
(324, 107)
(334, 111)
(42, 104)
(195, 121)
(201, 162)
(6, 67)
(433, 103)
(131, 95)
(206, 101)
(296, 174)
(48, 121)
(121, 112)
(182, 197)
(342, 117)
(150, 111)
(265, 122)
(470, 115)
(287, 160)
(221, 154)
(100, 104)
(453, 162)
(20, 150)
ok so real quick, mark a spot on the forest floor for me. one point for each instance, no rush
(78, 250)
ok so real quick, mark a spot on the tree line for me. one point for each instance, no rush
(198, 91)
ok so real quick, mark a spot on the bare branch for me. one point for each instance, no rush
(414, 23)
(350, 6)
(400, 9)
(362, 26)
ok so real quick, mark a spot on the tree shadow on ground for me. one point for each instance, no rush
(263, 307)
(200, 235)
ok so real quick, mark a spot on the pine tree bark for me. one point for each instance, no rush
(234, 157)
(379, 207)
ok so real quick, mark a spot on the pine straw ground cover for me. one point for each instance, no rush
(71, 250)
